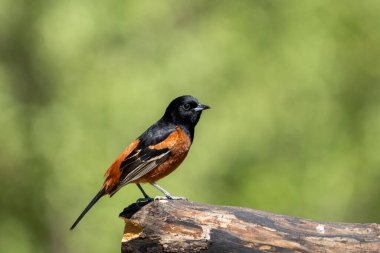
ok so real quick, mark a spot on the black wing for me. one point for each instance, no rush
(144, 159)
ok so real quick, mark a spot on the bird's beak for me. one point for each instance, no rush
(201, 107)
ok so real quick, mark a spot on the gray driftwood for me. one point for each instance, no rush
(182, 226)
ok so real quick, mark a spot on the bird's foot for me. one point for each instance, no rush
(158, 198)
(177, 198)
(144, 200)
(167, 197)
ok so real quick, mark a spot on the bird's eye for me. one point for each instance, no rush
(186, 106)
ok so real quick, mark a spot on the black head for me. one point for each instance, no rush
(185, 110)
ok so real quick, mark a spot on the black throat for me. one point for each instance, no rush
(189, 131)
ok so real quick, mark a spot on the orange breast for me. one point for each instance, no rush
(179, 144)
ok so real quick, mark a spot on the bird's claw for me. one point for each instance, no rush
(177, 198)
(158, 198)
(144, 200)
(169, 197)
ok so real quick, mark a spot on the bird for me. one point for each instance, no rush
(155, 153)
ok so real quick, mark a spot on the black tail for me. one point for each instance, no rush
(93, 201)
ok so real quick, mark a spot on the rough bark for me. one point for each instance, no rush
(182, 226)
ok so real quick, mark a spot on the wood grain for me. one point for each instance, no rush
(182, 226)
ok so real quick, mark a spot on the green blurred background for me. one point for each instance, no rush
(294, 129)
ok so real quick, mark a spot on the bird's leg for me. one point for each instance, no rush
(146, 196)
(167, 194)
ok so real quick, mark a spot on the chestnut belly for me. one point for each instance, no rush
(164, 169)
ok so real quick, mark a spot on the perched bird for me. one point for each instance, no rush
(156, 153)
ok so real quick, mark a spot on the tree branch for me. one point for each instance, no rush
(182, 226)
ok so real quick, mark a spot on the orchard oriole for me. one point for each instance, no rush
(156, 153)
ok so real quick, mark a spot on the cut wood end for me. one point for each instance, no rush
(132, 230)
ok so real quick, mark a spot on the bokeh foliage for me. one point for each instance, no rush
(294, 129)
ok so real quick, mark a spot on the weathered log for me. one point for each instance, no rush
(182, 226)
